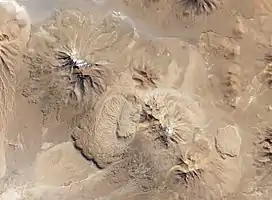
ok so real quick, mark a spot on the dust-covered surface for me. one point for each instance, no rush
(14, 35)
(135, 100)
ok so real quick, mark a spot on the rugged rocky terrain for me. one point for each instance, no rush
(135, 100)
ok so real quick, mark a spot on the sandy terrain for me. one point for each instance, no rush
(133, 100)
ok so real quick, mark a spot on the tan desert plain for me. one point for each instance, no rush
(136, 100)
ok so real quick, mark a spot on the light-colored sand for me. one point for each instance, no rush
(151, 116)
(14, 34)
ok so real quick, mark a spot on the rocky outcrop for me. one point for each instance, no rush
(228, 141)
(145, 130)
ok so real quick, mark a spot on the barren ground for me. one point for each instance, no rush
(135, 99)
